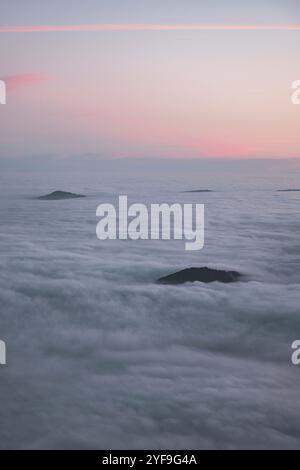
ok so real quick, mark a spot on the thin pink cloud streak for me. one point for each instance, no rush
(148, 27)
(17, 81)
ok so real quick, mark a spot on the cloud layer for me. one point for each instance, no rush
(101, 357)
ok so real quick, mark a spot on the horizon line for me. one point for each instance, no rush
(147, 27)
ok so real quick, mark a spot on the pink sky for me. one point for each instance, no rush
(151, 90)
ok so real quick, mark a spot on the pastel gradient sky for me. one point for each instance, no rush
(150, 78)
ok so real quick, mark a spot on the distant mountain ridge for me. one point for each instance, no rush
(203, 274)
(55, 195)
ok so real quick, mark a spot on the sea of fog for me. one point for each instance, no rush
(99, 356)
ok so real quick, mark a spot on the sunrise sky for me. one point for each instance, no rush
(141, 78)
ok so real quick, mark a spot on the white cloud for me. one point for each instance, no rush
(101, 357)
